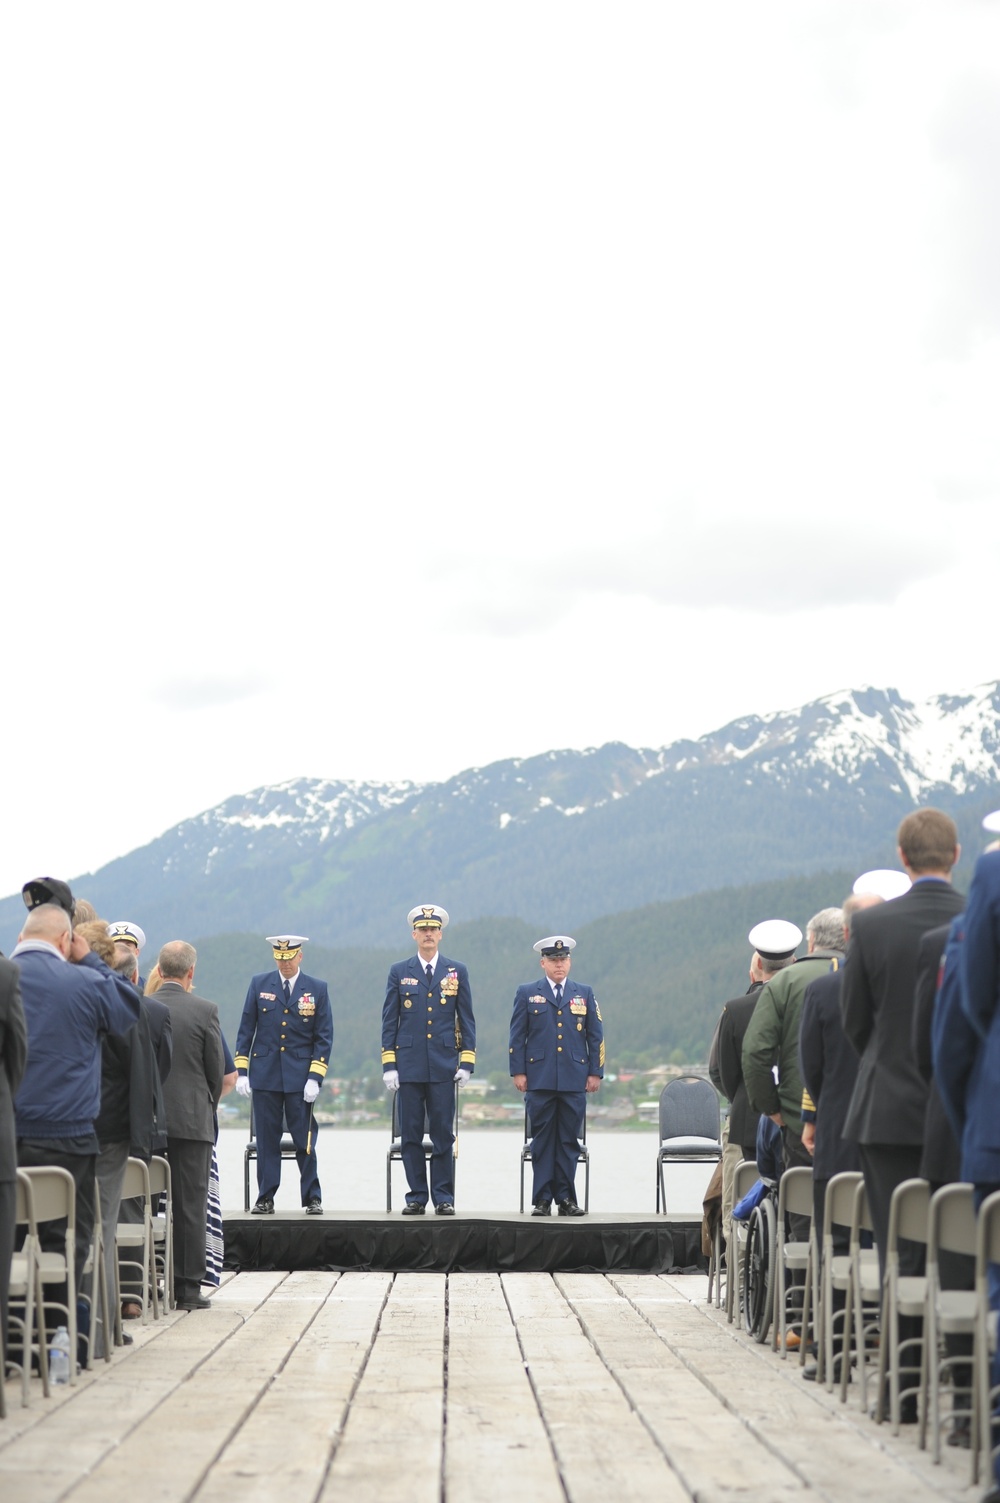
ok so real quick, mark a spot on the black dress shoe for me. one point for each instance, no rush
(445, 1208)
(413, 1208)
(542, 1208)
(570, 1208)
(194, 1302)
(264, 1207)
(315, 1207)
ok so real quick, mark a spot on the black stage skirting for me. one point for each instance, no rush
(463, 1244)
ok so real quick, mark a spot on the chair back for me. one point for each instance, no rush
(689, 1108)
(24, 1203)
(159, 1176)
(745, 1177)
(838, 1207)
(54, 1193)
(988, 1231)
(908, 1212)
(795, 1192)
(951, 1221)
(136, 1181)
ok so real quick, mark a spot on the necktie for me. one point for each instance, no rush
(288, 992)
(558, 991)
(430, 975)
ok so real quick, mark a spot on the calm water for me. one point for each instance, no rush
(352, 1173)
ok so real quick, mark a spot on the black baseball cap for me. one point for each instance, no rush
(47, 890)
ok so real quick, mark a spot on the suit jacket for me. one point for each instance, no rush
(280, 1047)
(428, 1031)
(725, 1068)
(941, 1161)
(13, 1055)
(890, 1098)
(829, 1069)
(192, 1089)
(556, 1047)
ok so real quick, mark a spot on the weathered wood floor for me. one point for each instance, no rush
(414, 1387)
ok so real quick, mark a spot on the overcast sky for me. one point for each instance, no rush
(393, 388)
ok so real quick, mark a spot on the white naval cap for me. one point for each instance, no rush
(775, 939)
(554, 946)
(126, 933)
(992, 822)
(884, 882)
(285, 946)
(427, 916)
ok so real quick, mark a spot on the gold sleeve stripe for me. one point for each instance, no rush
(808, 1105)
(467, 1057)
(242, 1062)
(602, 1054)
(388, 1056)
(318, 1067)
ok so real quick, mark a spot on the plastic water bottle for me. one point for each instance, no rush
(59, 1356)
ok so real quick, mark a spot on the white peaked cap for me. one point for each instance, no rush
(775, 938)
(427, 913)
(883, 882)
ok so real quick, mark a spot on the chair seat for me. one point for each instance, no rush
(796, 1254)
(840, 1270)
(911, 1296)
(685, 1147)
(956, 1311)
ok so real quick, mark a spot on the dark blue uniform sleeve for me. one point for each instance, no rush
(811, 1055)
(519, 1033)
(466, 1021)
(980, 951)
(322, 1032)
(390, 1020)
(247, 1029)
(595, 1037)
(954, 1041)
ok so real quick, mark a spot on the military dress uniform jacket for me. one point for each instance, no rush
(280, 1047)
(556, 1047)
(428, 1032)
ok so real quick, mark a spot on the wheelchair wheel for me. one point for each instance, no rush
(758, 1270)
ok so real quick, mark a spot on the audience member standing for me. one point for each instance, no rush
(191, 1093)
(13, 1053)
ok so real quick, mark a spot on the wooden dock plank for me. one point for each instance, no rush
(494, 1428)
(835, 1451)
(601, 1446)
(391, 1447)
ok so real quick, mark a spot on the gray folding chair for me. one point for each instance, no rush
(690, 1127)
(864, 1293)
(951, 1227)
(26, 1288)
(984, 1334)
(162, 1225)
(903, 1295)
(54, 1194)
(795, 1197)
(746, 1176)
(835, 1272)
(138, 1235)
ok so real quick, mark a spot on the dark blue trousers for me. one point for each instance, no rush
(434, 1100)
(556, 1119)
(269, 1107)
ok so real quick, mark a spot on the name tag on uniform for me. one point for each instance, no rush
(578, 1007)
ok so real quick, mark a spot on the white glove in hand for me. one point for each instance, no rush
(311, 1091)
(463, 1076)
(243, 1086)
(391, 1079)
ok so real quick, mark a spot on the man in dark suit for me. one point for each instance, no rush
(13, 1054)
(428, 1044)
(886, 1114)
(191, 1093)
(282, 1054)
(556, 1059)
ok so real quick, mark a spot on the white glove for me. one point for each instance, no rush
(311, 1091)
(463, 1076)
(390, 1079)
(243, 1086)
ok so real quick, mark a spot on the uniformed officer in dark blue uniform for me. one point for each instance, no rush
(282, 1053)
(428, 1043)
(556, 1057)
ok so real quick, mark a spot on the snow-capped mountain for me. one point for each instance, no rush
(569, 836)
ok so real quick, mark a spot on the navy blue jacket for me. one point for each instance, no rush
(280, 1047)
(428, 1032)
(829, 1069)
(556, 1047)
(67, 1007)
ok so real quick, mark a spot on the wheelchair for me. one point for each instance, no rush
(759, 1255)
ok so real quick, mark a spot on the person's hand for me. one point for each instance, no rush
(593, 1084)
(463, 1076)
(390, 1079)
(78, 948)
(311, 1090)
(776, 1118)
(520, 1083)
(243, 1086)
(809, 1137)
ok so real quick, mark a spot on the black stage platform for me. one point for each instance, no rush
(462, 1244)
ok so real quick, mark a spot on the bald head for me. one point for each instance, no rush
(855, 903)
(49, 922)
